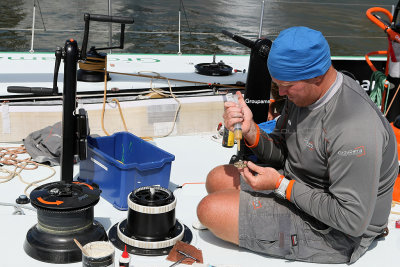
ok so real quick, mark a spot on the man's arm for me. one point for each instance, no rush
(270, 148)
(354, 170)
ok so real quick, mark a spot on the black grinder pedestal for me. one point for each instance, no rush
(65, 209)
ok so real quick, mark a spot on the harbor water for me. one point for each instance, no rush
(156, 25)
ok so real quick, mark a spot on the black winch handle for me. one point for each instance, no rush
(30, 90)
(105, 18)
(229, 34)
(239, 39)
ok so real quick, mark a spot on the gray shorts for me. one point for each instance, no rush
(277, 228)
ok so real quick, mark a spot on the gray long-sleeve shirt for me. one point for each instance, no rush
(342, 153)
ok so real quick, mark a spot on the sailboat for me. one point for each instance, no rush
(162, 98)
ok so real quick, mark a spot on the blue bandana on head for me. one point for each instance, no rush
(299, 53)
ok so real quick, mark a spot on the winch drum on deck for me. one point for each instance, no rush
(151, 227)
(65, 211)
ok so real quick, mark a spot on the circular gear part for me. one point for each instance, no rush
(119, 237)
(151, 196)
(151, 200)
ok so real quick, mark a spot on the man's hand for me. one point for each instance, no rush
(235, 113)
(260, 178)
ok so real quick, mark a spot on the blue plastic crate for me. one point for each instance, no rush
(268, 126)
(123, 162)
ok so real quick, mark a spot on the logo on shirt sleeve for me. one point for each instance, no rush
(309, 144)
(358, 152)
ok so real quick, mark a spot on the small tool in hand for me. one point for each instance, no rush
(240, 164)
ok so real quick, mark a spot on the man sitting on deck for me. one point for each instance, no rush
(334, 158)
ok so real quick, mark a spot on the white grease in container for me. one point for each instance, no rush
(99, 254)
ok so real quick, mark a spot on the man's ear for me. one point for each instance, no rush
(316, 80)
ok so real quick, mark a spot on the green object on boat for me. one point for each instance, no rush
(378, 80)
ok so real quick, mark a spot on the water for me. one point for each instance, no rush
(155, 30)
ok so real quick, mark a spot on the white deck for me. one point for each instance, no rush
(194, 156)
(36, 70)
(18, 119)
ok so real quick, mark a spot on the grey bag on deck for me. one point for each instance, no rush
(44, 146)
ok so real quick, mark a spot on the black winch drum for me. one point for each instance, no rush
(151, 227)
(94, 60)
(213, 69)
(65, 211)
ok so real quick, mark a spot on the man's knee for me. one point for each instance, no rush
(212, 179)
(203, 210)
(222, 177)
(208, 210)
(219, 212)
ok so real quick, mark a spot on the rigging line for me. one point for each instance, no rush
(83, 96)
(41, 16)
(391, 102)
(10, 156)
(187, 21)
(101, 66)
(103, 31)
(161, 92)
(33, 26)
(104, 98)
(176, 80)
(35, 183)
(135, 32)
(19, 206)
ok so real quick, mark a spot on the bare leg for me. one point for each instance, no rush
(223, 177)
(219, 212)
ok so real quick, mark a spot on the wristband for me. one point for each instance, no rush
(281, 190)
(279, 181)
(289, 189)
